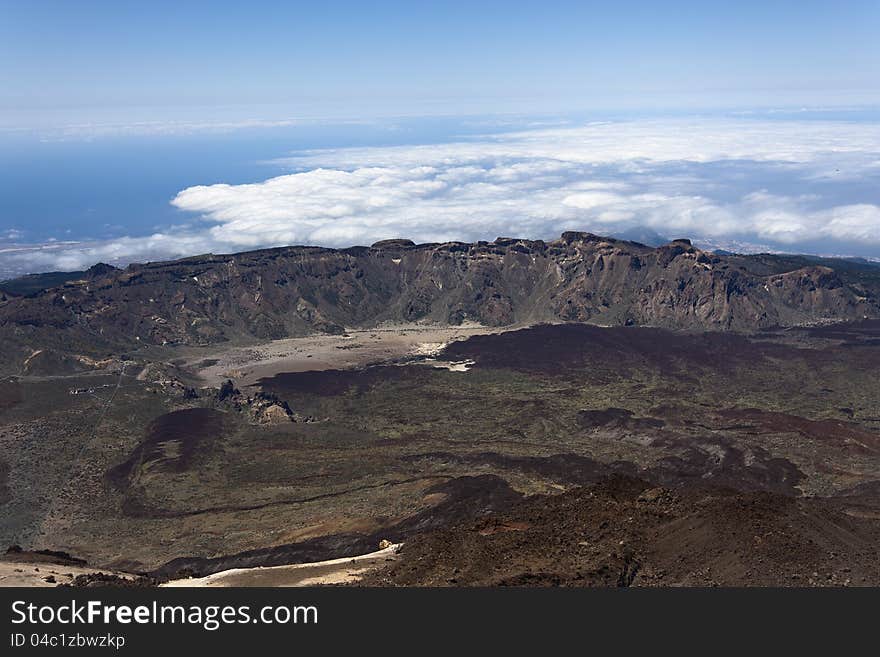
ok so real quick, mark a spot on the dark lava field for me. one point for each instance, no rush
(566, 454)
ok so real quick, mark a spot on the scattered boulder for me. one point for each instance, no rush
(228, 391)
(273, 415)
(655, 495)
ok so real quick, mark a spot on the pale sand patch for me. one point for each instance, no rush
(16, 573)
(335, 571)
(360, 347)
(428, 348)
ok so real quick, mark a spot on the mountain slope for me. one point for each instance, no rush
(297, 290)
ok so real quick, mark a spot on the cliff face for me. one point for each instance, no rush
(296, 290)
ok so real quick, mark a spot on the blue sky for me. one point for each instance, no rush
(128, 60)
(143, 131)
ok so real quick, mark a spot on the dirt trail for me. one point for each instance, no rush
(334, 571)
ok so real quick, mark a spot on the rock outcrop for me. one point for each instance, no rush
(261, 408)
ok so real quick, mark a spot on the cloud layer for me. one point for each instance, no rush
(809, 185)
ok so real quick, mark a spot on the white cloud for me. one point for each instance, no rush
(103, 130)
(635, 142)
(538, 182)
(743, 180)
(11, 234)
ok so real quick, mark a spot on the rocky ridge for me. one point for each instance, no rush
(295, 291)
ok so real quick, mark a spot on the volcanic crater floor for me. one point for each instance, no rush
(563, 454)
